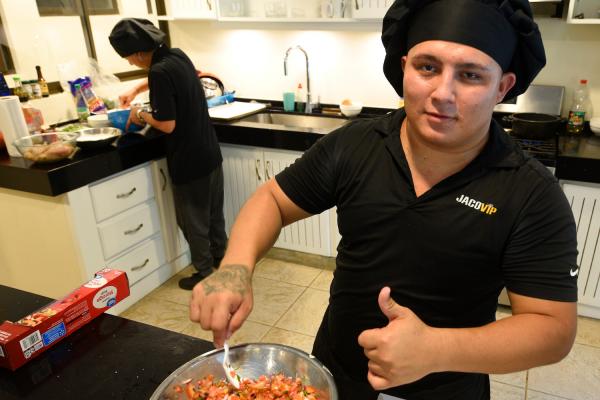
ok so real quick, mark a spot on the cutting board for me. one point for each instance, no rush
(234, 110)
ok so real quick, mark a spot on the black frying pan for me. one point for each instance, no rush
(536, 125)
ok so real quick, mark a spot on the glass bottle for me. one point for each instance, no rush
(42, 82)
(80, 104)
(575, 123)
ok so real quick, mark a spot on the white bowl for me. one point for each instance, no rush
(352, 109)
(98, 121)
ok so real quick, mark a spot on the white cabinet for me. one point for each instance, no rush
(584, 12)
(585, 204)
(285, 10)
(121, 222)
(245, 168)
(174, 241)
(190, 9)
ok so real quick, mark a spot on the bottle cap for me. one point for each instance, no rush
(583, 81)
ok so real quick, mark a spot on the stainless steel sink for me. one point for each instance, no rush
(301, 122)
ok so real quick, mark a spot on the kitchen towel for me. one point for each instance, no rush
(12, 122)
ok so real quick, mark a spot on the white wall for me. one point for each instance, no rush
(346, 59)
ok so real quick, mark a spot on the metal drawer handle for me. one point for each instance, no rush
(125, 195)
(141, 266)
(209, 5)
(164, 185)
(268, 166)
(257, 167)
(132, 231)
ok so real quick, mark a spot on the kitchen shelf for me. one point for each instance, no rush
(285, 19)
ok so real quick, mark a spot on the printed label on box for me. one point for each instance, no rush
(30, 340)
(106, 297)
(33, 349)
(96, 283)
(54, 333)
(1, 352)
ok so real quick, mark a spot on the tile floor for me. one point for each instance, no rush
(290, 295)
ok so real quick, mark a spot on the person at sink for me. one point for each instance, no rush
(179, 109)
(438, 210)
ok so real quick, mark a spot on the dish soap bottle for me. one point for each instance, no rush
(300, 95)
(577, 111)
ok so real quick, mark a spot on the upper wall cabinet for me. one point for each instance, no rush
(190, 9)
(288, 10)
(584, 12)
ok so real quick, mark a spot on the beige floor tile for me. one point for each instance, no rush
(157, 312)
(272, 299)
(576, 377)
(306, 313)
(195, 330)
(501, 391)
(515, 379)
(171, 291)
(288, 338)
(534, 395)
(323, 280)
(297, 257)
(286, 272)
(588, 332)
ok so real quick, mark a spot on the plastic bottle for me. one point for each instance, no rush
(82, 109)
(42, 82)
(18, 89)
(300, 96)
(575, 123)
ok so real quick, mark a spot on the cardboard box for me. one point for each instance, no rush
(33, 334)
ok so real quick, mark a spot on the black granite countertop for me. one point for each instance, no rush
(109, 358)
(131, 149)
(579, 158)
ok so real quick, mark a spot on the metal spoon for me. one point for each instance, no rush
(231, 373)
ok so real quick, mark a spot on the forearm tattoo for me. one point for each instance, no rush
(232, 277)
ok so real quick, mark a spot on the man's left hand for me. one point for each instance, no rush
(133, 118)
(401, 352)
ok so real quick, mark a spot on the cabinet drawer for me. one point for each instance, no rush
(120, 193)
(128, 228)
(142, 260)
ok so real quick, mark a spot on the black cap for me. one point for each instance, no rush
(503, 29)
(131, 35)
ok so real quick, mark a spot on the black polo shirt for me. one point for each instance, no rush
(175, 94)
(501, 221)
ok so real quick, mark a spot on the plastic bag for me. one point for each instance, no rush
(106, 86)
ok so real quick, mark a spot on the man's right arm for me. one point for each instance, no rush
(126, 98)
(223, 301)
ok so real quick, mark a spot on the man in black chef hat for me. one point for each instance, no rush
(179, 109)
(438, 210)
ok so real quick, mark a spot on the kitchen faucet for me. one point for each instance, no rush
(308, 109)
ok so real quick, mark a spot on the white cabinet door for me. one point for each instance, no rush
(585, 203)
(192, 9)
(369, 9)
(584, 12)
(310, 235)
(175, 243)
(243, 172)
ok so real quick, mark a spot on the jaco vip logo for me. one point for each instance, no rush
(486, 208)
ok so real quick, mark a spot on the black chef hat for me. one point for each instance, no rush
(131, 35)
(503, 29)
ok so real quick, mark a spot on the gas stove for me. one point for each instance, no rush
(544, 99)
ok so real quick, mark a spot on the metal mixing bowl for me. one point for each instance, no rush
(251, 361)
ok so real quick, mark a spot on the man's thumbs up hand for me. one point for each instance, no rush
(388, 306)
(399, 352)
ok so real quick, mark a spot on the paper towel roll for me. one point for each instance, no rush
(12, 122)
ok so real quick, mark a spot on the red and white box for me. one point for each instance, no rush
(33, 334)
